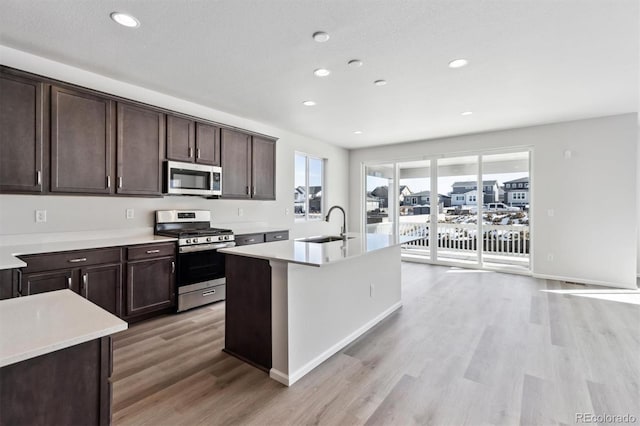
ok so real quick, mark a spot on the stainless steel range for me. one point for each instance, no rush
(200, 268)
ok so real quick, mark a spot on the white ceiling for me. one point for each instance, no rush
(530, 61)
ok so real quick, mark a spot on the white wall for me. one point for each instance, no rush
(81, 213)
(593, 232)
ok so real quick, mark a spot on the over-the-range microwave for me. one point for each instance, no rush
(192, 179)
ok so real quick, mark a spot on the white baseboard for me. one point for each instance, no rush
(584, 281)
(290, 379)
(279, 376)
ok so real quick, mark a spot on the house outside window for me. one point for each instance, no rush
(308, 202)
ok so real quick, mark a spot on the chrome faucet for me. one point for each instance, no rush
(343, 230)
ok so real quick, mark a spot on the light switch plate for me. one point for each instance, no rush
(130, 214)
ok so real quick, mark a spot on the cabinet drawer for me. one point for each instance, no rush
(276, 236)
(70, 259)
(246, 239)
(149, 251)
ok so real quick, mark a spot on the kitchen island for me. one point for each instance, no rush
(292, 304)
(55, 360)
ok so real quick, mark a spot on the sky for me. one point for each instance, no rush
(444, 183)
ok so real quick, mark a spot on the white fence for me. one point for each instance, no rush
(505, 240)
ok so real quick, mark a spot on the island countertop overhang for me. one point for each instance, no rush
(319, 254)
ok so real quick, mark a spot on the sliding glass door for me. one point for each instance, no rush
(470, 210)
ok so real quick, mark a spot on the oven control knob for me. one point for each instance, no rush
(188, 241)
(195, 240)
(208, 239)
(226, 237)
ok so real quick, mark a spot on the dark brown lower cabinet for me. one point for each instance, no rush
(102, 285)
(247, 333)
(42, 282)
(7, 285)
(66, 387)
(150, 286)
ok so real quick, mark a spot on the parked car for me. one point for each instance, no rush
(500, 207)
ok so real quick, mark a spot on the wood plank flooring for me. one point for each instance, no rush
(468, 347)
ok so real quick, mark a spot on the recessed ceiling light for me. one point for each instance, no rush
(308, 103)
(357, 132)
(355, 63)
(322, 72)
(458, 63)
(380, 82)
(320, 36)
(467, 113)
(124, 19)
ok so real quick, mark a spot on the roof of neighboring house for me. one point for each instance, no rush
(421, 194)
(524, 179)
(381, 191)
(473, 183)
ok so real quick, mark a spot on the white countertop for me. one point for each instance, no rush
(43, 323)
(318, 254)
(8, 259)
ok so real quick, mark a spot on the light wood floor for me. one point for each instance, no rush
(468, 347)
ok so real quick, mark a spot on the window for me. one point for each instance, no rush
(472, 198)
(519, 185)
(308, 200)
(508, 185)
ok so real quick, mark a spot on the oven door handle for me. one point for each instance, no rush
(203, 247)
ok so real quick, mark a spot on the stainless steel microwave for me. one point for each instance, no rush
(192, 179)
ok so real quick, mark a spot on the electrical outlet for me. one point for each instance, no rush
(41, 216)
(550, 257)
(372, 290)
(286, 212)
(129, 214)
(240, 211)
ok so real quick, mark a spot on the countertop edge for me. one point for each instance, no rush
(9, 259)
(36, 352)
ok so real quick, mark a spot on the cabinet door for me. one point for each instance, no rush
(141, 137)
(81, 142)
(235, 152)
(21, 133)
(263, 166)
(46, 281)
(207, 144)
(102, 285)
(150, 285)
(180, 139)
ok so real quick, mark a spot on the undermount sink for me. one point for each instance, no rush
(323, 239)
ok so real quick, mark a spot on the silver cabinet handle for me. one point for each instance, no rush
(78, 260)
(108, 181)
(173, 267)
(198, 153)
(38, 177)
(251, 240)
(69, 283)
(85, 282)
(278, 237)
(119, 181)
(153, 251)
(208, 293)
(253, 191)
(190, 152)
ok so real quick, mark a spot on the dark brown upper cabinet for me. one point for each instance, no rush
(81, 142)
(21, 134)
(191, 141)
(263, 167)
(141, 139)
(235, 154)
(248, 166)
(181, 139)
(207, 144)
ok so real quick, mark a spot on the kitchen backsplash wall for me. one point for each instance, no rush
(82, 213)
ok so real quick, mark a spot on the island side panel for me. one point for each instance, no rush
(248, 310)
(331, 306)
(70, 386)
